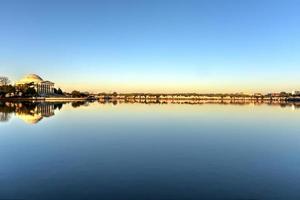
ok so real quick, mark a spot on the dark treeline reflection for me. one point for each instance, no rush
(30, 112)
(77, 104)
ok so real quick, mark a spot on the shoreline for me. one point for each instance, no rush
(159, 98)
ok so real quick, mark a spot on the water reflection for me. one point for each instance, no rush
(77, 104)
(30, 112)
(34, 112)
(293, 105)
(5, 116)
(201, 101)
(165, 150)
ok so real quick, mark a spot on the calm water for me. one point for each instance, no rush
(141, 151)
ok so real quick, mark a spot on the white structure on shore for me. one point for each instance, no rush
(41, 86)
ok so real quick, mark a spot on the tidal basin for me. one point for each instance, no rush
(96, 150)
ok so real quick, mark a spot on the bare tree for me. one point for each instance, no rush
(4, 80)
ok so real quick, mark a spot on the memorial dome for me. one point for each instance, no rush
(31, 78)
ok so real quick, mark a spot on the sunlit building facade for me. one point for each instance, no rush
(41, 86)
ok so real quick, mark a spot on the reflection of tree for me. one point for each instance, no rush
(26, 108)
(6, 109)
(77, 104)
(5, 112)
(58, 106)
(4, 117)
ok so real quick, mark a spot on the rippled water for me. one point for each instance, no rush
(86, 150)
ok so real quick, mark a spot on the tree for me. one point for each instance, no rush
(7, 89)
(55, 90)
(30, 92)
(283, 94)
(76, 93)
(59, 91)
(4, 80)
(27, 90)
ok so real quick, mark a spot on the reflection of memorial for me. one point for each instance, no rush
(40, 111)
(30, 112)
(30, 119)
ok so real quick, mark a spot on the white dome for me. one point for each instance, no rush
(31, 78)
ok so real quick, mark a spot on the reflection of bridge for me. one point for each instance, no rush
(294, 105)
(193, 98)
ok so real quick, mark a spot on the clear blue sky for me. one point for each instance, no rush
(166, 45)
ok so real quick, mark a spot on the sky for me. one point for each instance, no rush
(167, 46)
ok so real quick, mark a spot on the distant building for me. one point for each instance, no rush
(258, 95)
(42, 87)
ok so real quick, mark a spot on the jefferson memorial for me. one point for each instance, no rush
(41, 86)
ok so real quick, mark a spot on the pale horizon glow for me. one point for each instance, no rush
(154, 46)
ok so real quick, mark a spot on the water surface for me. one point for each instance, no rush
(86, 150)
